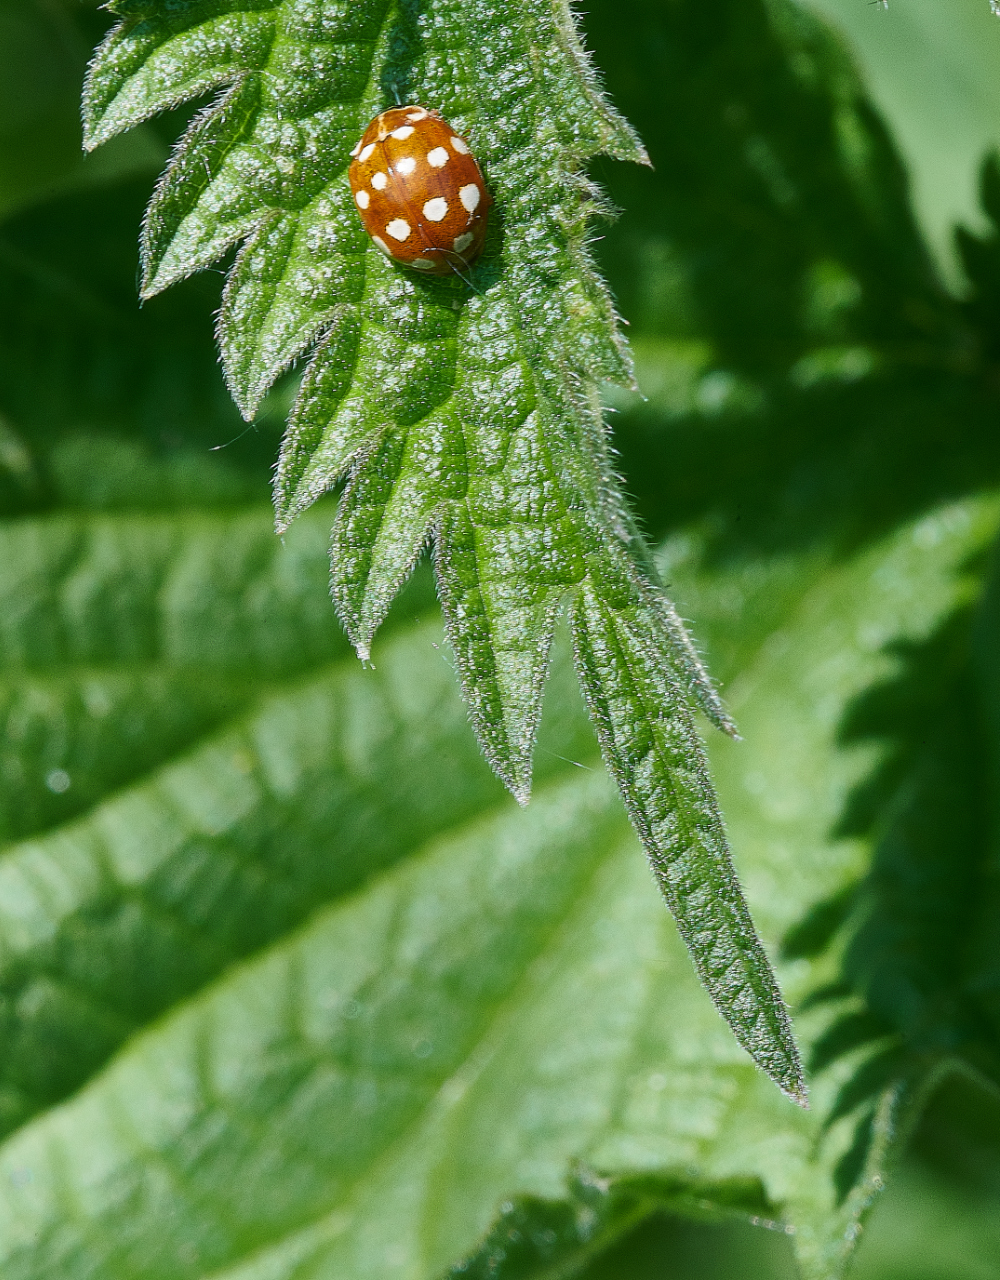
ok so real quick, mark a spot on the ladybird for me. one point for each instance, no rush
(419, 191)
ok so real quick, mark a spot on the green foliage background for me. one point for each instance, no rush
(289, 985)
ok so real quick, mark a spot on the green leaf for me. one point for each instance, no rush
(655, 756)
(534, 1236)
(933, 75)
(507, 964)
(461, 413)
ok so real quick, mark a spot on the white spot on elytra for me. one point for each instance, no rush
(366, 151)
(381, 244)
(437, 157)
(403, 132)
(363, 199)
(399, 229)
(469, 196)
(423, 263)
(406, 165)
(378, 181)
(436, 209)
(460, 146)
(356, 148)
(462, 242)
(416, 115)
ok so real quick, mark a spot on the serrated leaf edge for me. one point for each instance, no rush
(153, 281)
(791, 1080)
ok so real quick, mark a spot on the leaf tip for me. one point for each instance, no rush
(515, 774)
(152, 279)
(246, 398)
(512, 767)
(92, 122)
(521, 791)
(284, 509)
(795, 1090)
(780, 1060)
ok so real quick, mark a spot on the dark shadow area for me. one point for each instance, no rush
(79, 353)
(775, 229)
(404, 50)
(774, 238)
(936, 1220)
(980, 257)
(768, 162)
(835, 464)
(959, 1136)
(669, 1248)
(920, 971)
(915, 955)
(641, 1227)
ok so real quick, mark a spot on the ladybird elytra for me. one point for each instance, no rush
(419, 192)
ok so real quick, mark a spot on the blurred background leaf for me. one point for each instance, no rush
(210, 811)
(46, 49)
(934, 73)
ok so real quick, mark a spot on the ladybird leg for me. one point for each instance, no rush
(450, 256)
(467, 280)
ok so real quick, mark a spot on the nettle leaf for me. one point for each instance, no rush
(656, 757)
(445, 1003)
(461, 414)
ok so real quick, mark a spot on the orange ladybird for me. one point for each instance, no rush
(419, 191)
